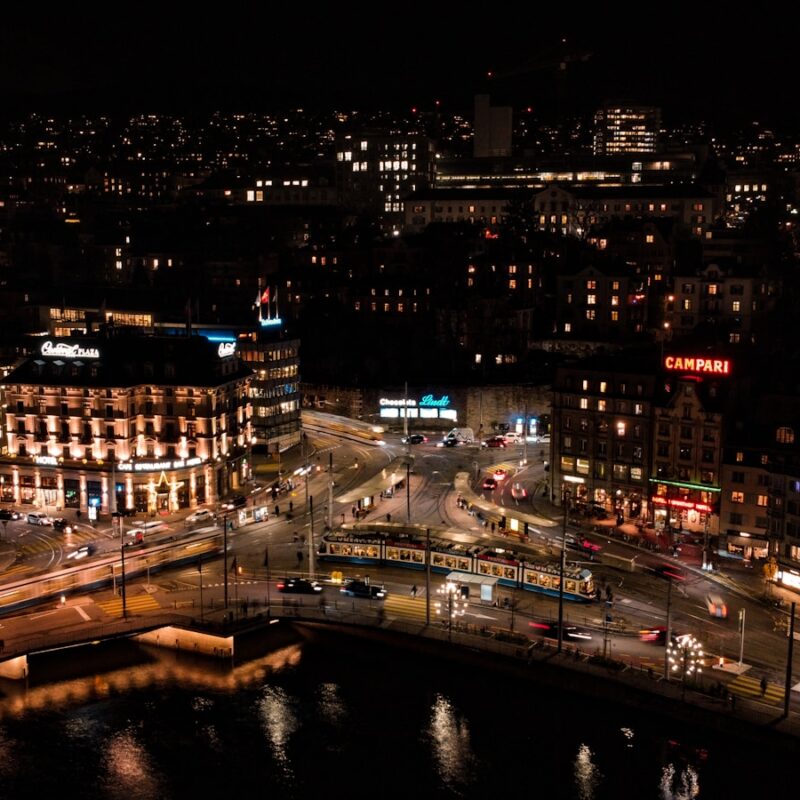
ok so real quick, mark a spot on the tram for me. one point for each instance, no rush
(453, 552)
(344, 427)
(138, 560)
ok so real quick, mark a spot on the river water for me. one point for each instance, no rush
(333, 716)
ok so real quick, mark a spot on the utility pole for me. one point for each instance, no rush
(225, 553)
(669, 627)
(405, 419)
(525, 435)
(330, 491)
(741, 635)
(563, 560)
(427, 576)
(408, 490)
(200, 570)
(311, 539)
(788, 685)
(124, 598)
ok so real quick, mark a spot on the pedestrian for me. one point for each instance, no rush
(277, 511)
(414, 590)
(388, 517)
(299, 557)
(353, 512)
(492, 527)
(291, 506)
(763, 686)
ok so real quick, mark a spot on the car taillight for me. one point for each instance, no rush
(281, 585)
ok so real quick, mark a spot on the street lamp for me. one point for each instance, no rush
(565, 498)
(685, 656)
(453, 607)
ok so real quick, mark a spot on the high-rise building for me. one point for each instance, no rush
(626, 129)
(492, 133)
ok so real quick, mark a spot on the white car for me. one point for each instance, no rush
(81, 552)
(512, 437)
(544, 439)
(201, 515)
(146, 527)
(38, 518)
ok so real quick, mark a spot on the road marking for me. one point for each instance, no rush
(746, 686)
(412, 607)
(82, 612)
(142, 602)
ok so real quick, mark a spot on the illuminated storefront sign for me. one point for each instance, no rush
(385, 401)
(153, 466)
(430, 401)
(684, 504)
(46, 461)
(704, 366)
(226, 349)
(64, 350)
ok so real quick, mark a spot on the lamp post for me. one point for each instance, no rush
(311, 540)
(200, 570)
(685, 658)
(451, 603)
(225, 553)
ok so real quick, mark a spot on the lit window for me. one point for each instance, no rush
(585, 385)
(601, 405)
(603, 387)
(567, 327)
(512, 284)
(649, 238)
(590, 313)
(712, 289)
(591, 299)
(739, 457)
(584, 402)
(614, 286)
(736, 306)
(620, 429)
(615, 316)
(737, 497)
(762, 500)
(784, 436)
(591, 284)
(614, 299)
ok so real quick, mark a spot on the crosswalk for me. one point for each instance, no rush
(745, 686)
(410, 607)
(136, 604)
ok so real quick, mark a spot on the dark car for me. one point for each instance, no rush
(489, 483)
(451, 441)
(362, 589)
(414, 438)
(9, 513)
(495, 441)
(298, 586)
(61, 524)
(670, 572)
(571, 633)
(238, 500)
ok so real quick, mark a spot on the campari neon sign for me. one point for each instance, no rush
(699, 365)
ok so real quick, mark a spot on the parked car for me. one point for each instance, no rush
(512, 437)
(38, 518)
(357, 588)
(61, 524)
(494, 441)
(299, 586)
(201, 515)
(9, 514)
(544, 439)
(414, 438)
(489, 483)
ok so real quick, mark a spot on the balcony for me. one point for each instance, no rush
(41, 436)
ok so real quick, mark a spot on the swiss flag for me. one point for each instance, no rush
(265, 296)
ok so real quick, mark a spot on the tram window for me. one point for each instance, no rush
(463, 564)
(570, 586)
(392, 553)
(417, 557)
(544, 580)
(509, 572)
(484, 568)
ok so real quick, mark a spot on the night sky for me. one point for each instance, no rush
(143, 57)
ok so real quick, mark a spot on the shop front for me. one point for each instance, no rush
(163, 487)
(744, 545)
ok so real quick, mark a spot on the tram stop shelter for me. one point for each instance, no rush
(483, 584)
(383, 483)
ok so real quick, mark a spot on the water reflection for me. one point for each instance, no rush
(587, 775)
(164, 670)
(455, 760)
(128, 770)
(685, 786)
(279, 721)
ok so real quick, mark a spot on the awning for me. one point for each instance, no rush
(392, 474)
(748, 541)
